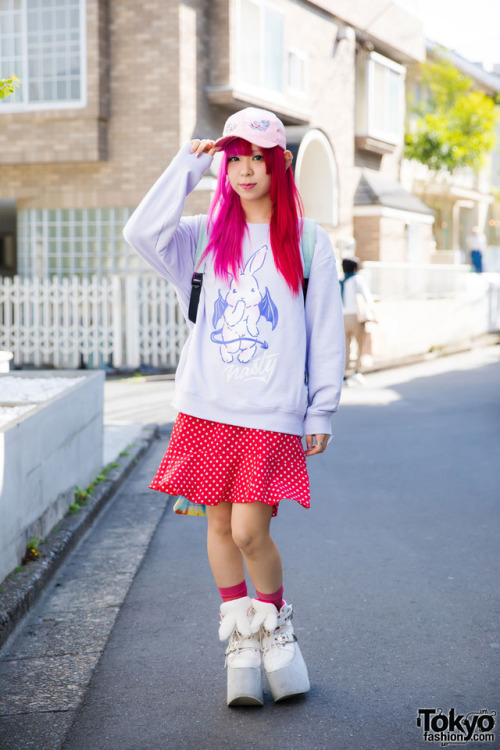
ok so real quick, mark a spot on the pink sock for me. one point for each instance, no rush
(276, 598)
(234, 592)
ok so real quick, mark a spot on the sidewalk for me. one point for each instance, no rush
(46, 665)
(132, 410)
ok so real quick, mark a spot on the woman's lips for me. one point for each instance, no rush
(248, 186)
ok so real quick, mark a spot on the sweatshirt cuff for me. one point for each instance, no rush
(318, 424)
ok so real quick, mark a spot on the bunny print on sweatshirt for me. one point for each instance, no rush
(240, 311)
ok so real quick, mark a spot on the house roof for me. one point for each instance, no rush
(376, 189)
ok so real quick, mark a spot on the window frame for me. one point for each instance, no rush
(367, 128)
(262, 5)
(8, 106)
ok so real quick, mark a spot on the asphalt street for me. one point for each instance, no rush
(393, 574)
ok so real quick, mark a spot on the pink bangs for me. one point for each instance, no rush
(227, 223)
(238, 146)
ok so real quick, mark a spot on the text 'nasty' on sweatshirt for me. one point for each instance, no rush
(255, 358)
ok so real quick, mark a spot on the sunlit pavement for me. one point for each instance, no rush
(378, 387)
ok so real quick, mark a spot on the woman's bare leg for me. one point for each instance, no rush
(226, 560)
(250, 531)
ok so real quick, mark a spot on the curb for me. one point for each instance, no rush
(22, 590)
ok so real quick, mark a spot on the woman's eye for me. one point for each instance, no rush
(258, 157)
(233, 158)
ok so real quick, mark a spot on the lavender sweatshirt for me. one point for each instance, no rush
(246, 359)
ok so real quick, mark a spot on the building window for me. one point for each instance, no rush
(67, 242)
(261, 46)
(43, 43)
(379, 98)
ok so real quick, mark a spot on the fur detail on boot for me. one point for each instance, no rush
(266, 615)
(235, 616)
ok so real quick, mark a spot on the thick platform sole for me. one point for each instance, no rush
(244, 687)
(291, 680)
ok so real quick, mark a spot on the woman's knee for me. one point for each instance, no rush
(219, 521)
(250, 538)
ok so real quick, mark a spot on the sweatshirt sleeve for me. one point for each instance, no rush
(325, 338)
(156, 230)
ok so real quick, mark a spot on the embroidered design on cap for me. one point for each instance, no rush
(260, 124)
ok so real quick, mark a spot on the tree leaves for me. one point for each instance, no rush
(455, 126)
(8, 86)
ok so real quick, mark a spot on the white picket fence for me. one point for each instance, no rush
(155, 328)
(70, 322)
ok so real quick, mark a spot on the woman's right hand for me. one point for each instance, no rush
(205, 146)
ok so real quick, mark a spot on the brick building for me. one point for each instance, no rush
(112, 88)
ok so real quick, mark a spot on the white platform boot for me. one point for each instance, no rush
(284, 665)
(243, 654)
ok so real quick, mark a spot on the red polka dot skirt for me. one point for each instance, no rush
(208, 463)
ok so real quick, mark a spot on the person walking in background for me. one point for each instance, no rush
(262, 367)
(359, 309)
(476, 245)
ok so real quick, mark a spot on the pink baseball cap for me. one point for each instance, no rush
(257, 126)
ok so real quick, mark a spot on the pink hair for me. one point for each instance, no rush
(227, 223)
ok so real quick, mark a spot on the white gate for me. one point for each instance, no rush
(70, 322)
(61, 322)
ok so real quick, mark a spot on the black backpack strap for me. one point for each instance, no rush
(197, 280)
(194, 300)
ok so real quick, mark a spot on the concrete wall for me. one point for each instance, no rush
(411, 327)
(44, 455)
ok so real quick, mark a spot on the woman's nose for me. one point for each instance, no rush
(246, 167)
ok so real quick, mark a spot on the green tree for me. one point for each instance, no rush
(8, 86)
(455, 126)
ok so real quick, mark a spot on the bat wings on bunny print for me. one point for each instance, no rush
(240, 312)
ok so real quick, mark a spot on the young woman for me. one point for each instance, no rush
(262, 367)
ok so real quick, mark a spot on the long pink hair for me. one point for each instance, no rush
(227, 223)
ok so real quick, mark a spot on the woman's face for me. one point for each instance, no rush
(247, 175)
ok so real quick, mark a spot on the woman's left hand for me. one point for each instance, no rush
(205, 146)
(316, 444)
